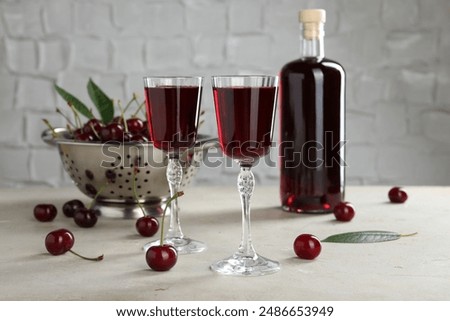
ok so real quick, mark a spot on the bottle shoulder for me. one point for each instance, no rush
(310, 64)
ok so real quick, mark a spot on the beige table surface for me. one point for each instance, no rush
(413, 268)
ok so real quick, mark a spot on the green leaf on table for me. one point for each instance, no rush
(103, 103)
(74, 101)
(365, 237)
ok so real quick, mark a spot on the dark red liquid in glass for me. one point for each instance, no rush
(312, 132)
(172, 114)
(244, 121)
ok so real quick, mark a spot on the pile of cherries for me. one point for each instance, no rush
(83, 217)
(308, 246)
(60, 241)
(132, 129)
(86, 217)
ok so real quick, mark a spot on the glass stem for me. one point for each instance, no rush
(174, 176)
(246, 183)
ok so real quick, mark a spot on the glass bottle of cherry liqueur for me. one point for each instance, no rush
(312, 129)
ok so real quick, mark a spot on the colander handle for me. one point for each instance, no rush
(48, 136)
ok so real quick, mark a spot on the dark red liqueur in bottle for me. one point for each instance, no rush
(312, 125)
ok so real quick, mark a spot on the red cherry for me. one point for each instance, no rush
(127, 137)
(45, 212)
(307, 246)
(78, 131)
(85, 137)
(93, 123)
(118, 120)
(85, 217)
(344, 211)
(70, 207)
(161, 257)
(138, 138)
(145, 131)
(397, 195)
(59, 241)
(135, 125)
(147, 226)
(113, 131)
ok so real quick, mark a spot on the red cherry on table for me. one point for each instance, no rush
(45, 212)
(147, 226)
(85, 217)
(59, 241)
(307, 246)
(397, 195)
(70, 207)
(344, 211)
(161, 257)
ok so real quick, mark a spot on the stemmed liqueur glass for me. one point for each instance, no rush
(173, 106)
(245, 107)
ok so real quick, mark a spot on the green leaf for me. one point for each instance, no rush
(74, 101)
(365, 237)
(103, 103)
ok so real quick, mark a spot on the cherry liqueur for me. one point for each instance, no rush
(312, 129)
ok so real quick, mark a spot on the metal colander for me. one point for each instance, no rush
(109, 169)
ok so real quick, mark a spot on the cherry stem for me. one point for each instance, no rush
(78, 122)
(129, 103)
(122, 114)
(98, 258)
(138, 109)
(178, 194)
(54, 133)
(406, 235)
(96, 195)
(69, 129)
(134, 191)
(95, 132)
(65, 117)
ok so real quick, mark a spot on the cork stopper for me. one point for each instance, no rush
(312, 15)
(312, 21)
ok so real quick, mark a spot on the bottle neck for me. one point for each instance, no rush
(311, 41)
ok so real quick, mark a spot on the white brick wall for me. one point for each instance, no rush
(35, 93)
(396, 53)
(21, 55)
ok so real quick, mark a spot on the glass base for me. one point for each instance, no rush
(240, 265)
(183, 245)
